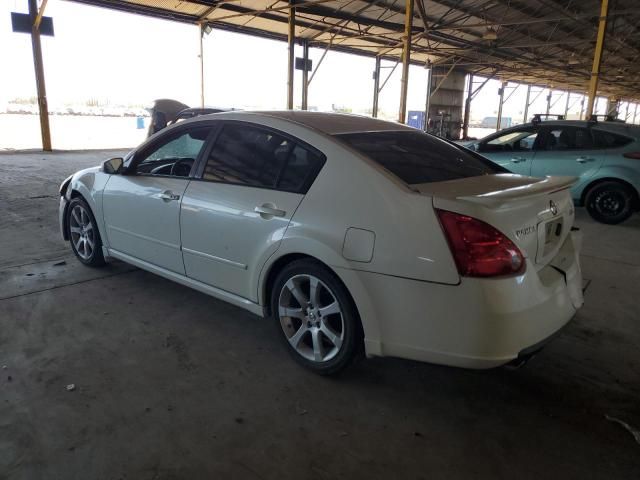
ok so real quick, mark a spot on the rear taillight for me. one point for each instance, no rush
(634, 155)
(479, 249)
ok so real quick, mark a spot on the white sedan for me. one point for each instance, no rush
(349, 232)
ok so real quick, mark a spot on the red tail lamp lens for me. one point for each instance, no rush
(478, 249)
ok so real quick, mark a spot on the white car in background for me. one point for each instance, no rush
(349, 231)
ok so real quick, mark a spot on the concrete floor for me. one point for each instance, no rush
(172, 384)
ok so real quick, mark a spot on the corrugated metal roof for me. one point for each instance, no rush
(544, 42)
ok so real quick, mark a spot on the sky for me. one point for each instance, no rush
(109, 56)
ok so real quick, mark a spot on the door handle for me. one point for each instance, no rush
(518, 159)
(584, 159)
(169, 196)
(268, 211)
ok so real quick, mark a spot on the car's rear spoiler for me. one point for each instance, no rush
(493, 190)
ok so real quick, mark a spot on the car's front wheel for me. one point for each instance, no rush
(83, 233)
(610, 202)
(315, 317)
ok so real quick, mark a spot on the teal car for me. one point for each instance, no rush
(605, 156)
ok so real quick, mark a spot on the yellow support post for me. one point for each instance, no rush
(597, 58)
(36, 17)
(406, 58)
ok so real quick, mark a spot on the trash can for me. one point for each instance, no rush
(140, 123)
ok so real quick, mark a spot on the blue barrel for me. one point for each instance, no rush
(415, 119)
(140, 123)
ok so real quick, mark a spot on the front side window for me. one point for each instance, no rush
(256, 157)
(568, 138)
(176, 156)
(416, 157)
(518, 141)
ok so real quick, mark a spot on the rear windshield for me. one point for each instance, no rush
(416, 157)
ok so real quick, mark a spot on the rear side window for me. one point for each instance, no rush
(568, 138)
(246, 156)
(300, 169)
(256, 157)
(604, 139)
(417, 157)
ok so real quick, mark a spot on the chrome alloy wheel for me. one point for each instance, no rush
(82, 234)
(311, 318)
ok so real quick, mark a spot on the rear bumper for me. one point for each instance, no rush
(481, 323)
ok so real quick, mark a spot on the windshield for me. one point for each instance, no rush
(416, 157)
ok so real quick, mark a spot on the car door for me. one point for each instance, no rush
(567, 150)
(142, 207)
(513, 149)
(236, 212)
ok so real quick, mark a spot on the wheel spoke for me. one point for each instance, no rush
(314, 291)
(83, 217)
(78, 244)
(77, 230)
(297, 293)
(294, 340)
(330, 309)
(74, 213)
(88, 227)
(332, 336)
(291, 312)
(317, 345)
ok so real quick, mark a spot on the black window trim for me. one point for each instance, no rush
(165, 137)
(311, 177)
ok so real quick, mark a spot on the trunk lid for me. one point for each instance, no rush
(535, 213)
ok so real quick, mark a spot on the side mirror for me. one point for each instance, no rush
(113, 165)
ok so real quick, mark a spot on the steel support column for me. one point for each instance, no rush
(291, 38)
(549, 97)
(427, 101)
(376, 88)
(406, 58)
(501, 101)
(566, 105)
(526, 104)
(38, 65)
(597, 57)
(635, 112)
(201, 31)
(626, 113)
(305, 74)
(467, 108)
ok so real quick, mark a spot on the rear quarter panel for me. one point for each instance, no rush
(615, 168)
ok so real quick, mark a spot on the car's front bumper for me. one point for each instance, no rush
(480, 323)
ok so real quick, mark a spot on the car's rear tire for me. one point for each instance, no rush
(315, 317)
(83, 233)
(610, 202)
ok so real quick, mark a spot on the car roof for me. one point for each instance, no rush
(622, 128)
(329, 123)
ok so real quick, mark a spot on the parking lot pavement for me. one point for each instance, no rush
(169, 383)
